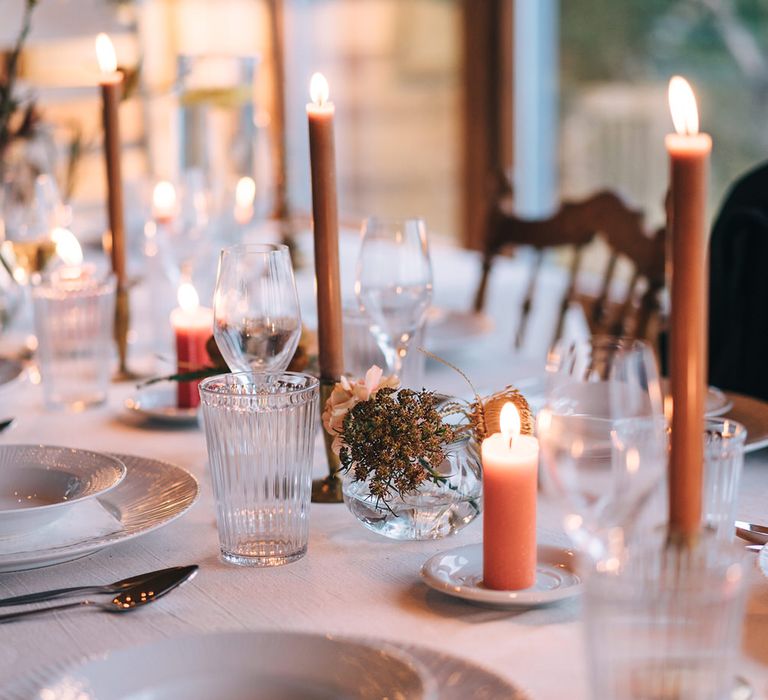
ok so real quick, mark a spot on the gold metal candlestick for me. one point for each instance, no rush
(328, 490)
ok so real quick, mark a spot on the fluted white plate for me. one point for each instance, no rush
(459, 573)
(152, 494)
(442, 675)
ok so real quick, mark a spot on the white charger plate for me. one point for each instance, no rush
(241, 665)
(455, 678)
(459, 573)
(158, 403)
(40, 483)
(152, 494)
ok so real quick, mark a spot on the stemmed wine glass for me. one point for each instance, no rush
(257, 322)
(393, 283)
(603, 440)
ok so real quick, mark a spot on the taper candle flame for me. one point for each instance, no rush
(245, 192)
(67, 246)
(163, 200)
(105, 54)
(318, 89)
(189, 301)
(682, 104)
(509, 421)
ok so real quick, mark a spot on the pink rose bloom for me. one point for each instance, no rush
(348, 394)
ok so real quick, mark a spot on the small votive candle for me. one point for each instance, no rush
(192, 326)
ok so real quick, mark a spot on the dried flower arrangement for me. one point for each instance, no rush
(393, 438)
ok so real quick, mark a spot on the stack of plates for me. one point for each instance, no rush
(269, 665)
(59, 503)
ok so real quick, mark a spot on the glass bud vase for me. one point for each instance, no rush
(432, 512)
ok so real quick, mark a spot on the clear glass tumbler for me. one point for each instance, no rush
(260, 431)
(74, 321)
(724, 441)
(666, 624)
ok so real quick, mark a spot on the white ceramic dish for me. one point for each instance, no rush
(232, 665)
(451, 329)
(158, 403)
(459, 572)
(152, 494)
(39, 483)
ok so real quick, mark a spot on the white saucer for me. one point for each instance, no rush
(459, 572)
(158, 403)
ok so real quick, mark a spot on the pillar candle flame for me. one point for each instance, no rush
(682, 104)
(189, 301)
(318, 89)
(105, 54)
(509, 421)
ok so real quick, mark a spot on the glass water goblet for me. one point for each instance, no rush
(393, 283)
(257, 322)
(603, 438)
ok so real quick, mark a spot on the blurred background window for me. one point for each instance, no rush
(589, 93)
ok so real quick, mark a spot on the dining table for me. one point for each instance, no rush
(352, 582)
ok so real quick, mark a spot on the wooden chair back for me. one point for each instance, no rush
(575, 226)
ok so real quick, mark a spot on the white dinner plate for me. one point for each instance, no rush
(451, 329)
(152, 494)
(459, 572)
(456, 678)
(40, 483)
(534, 389)
(244, 665)
(158, 403)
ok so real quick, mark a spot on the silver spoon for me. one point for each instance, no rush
(751, 532)
(116, 587)
(128, 599)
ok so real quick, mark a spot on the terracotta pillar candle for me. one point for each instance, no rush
(326, 230)
(510, 468)
(689, 160)
(192, 326)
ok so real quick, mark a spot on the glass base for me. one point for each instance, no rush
(261, 560)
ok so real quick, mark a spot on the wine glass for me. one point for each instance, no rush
(603, 439)
(257, 322)
(393, 283)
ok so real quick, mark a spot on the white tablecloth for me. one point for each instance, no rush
(351, 581)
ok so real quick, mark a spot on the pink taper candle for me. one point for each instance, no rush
(689, 160)
(510, 468)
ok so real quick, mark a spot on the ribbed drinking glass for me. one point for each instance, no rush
(260, 430)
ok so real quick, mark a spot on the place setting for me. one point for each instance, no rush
(335, 368)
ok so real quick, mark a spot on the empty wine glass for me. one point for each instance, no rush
(393, 284)
(602, 437)
(257, 322)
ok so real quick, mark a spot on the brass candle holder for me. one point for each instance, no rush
(328, 489)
